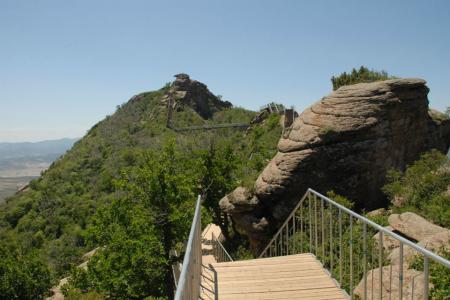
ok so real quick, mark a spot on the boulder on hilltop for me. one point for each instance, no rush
(345, 142)
(194, 94)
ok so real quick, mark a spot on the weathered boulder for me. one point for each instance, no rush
(389, 243)
(390, 288)
(414, 226)
(240, 200)
(345, 142)
(377, 212)
(436, 243)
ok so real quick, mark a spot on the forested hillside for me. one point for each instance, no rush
(53, 218)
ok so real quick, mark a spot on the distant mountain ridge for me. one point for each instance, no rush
(32, 149)
(30, 158)
(23, 161)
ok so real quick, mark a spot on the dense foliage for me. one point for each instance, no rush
(141, 227)
(22, 276)
(439, 275)
(53, 216)
(362, 74)
(422, 188)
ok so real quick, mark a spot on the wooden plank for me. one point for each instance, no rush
(274, 279)
(291, 266)
(282, 286)
(273, 260)
(315, 295)
(288, 277)
(262, 275)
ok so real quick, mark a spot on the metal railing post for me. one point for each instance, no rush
(310, 223)
(400, 272)
(301, 228)
(340, 247)
(351, 257)
(365, 260)
(315, 224)
(425, 277)
(323, 228)
(380, 263)
(331, 239)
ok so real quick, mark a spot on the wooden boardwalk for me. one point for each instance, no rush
(298, 276)
(207, 255)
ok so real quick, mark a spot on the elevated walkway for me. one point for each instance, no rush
(211, 127)
(298, 276)
(322, 251)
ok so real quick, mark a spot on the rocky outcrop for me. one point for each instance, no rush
(436, 243)
(417, 229)
(194, 94)
(389, 243)
(413, 226)
(390, 289)
(345, 142)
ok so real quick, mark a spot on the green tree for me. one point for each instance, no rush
(131, 263)
(151, 216)
(22, 275)
(219, 164)
(362, 74)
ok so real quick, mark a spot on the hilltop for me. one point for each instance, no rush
(53, 214)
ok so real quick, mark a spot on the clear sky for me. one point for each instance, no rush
(65, 65)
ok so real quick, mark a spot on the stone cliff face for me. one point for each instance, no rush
(196, 95)
(345, 142)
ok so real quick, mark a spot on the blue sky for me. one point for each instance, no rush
(64, 65)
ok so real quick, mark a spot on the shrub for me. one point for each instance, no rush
(423, 187)
(363, 74)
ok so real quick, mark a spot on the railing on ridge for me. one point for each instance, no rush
(211, 127)
(188, 284)
(339, 239)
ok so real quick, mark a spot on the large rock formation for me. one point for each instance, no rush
(196, 95)
(345, 142)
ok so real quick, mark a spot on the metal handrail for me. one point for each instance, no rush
(189, 282)
(416, 247)
(300, 232)
(211, 127)
(219, 251)
(284, 224)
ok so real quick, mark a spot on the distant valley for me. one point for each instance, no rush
(21, 162)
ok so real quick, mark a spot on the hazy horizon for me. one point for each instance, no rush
(66, 65)
(41, 141)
